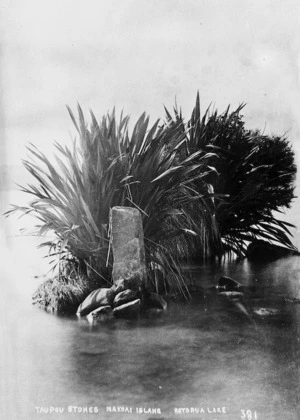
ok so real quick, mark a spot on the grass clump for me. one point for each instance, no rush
(63, 293)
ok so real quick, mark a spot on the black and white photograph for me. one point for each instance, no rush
(149, 233)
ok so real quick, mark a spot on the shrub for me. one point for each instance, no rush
(253, 177)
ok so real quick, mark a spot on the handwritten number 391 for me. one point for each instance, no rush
(248, 415)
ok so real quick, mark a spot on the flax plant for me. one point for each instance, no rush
(109, 166)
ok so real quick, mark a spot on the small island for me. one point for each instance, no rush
(202, 188)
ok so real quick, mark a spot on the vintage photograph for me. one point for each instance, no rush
(150, 243)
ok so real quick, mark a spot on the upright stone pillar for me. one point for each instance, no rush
(127, 238)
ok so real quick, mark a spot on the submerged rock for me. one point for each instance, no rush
(266, 311)
(128, 310)
(99, 313)
(156, 301)
(233, 294)
(292, 300)
(126, 296)
(262, 250)
(228, 284)
(153, 312)
(100, 297)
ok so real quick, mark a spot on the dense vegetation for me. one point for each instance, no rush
(253, 177)
(204, 187)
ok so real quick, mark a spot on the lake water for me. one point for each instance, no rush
(192, 361)
(211, 358)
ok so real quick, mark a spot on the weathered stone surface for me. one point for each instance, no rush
(120, 285)
(99, 297)
(99, 313)
(128, 310)
(128, 246)
(123, 297)
(228, 284)
(156, 301)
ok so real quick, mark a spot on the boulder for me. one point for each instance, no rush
(120, 285)
(99, 313)
(124, 297)
(156, 301)
(228, 284)
(128, 310)
(100, 297)
(127, 238)
(262, 250)
(266, 311)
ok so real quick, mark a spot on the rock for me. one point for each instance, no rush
(128, 310)
(156, 301)
(120, 285)
(128, 246)
(99, 297)
(99, 313)
(124, 297)
(124, 284)
(228, 284)
(292, 300)
(153, 312)
(263, 250)
(266, 312)
(232, 295)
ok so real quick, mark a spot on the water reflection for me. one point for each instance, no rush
(208, 353)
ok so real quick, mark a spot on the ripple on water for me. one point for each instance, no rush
(204, 354)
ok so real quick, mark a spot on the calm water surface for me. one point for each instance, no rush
(210, 353)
